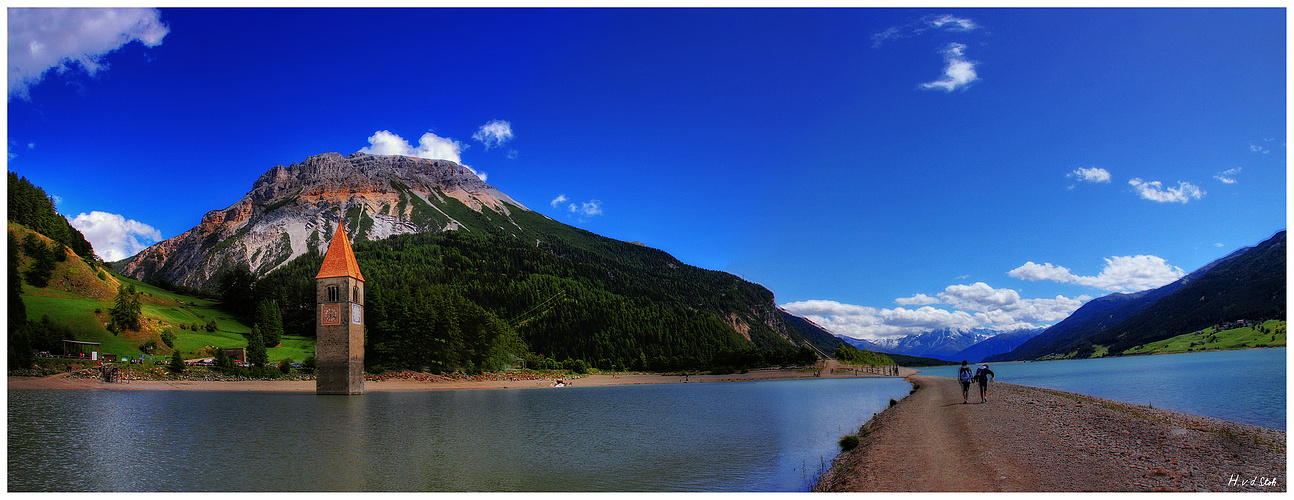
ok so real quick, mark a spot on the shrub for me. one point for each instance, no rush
(168, 338)
(309, 364)
(849, 442)
(285, 366)
(893, 402)
(577, 366)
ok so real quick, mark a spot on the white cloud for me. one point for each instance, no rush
(1093, 174)
(113, 236)
(582, 211)
(65, 39)
(953, 23)
(919, 299)
(587, 209)
(1121, 274)
(1229, 176)
(958, 72)
(1259, 149)
(979, 297)
(494, 133)
(973, 306)
(1155, 191)
(430, 146)
(927, 23)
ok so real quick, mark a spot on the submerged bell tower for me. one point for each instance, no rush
(339, 331)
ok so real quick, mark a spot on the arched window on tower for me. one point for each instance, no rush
(334, 293)
(355, 295)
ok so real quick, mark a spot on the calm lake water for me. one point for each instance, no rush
(738, 436)
(1241, 386)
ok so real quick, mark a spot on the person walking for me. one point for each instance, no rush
(964, 376)
(982, 376)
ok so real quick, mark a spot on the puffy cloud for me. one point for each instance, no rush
(1093, 174)
(430, 146)
(979, 297)
(1228, 177)
(65, 39)
(919, 299)
(1155, 191)
(1038, 272)
(958, 72)
(113, 236)
(494, 133)
(1121, 274)
(560, 199)
(974, 306)
(1259, 149)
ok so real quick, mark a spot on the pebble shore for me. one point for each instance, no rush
(1032, 439)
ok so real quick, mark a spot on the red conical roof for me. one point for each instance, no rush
(340, 259)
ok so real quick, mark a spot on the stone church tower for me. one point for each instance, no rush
(339, 347)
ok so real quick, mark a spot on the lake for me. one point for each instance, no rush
(734, 436)
(1245, 386)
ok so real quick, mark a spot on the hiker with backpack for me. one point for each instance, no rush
(964, 376)
(982, 376)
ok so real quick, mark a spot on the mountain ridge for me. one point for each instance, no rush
(1111, 320)
(435, 241)
(292, 209)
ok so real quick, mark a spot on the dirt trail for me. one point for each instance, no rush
(1031, 439)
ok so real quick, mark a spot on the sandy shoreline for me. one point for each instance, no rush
(64, 382)
(1032, 439)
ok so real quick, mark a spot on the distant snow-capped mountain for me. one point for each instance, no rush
(949, 343)
(942, 344)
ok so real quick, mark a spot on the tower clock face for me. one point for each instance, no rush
(331, 314)
(355, 314)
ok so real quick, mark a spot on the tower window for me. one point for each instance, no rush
(334, 293)
(355, 296)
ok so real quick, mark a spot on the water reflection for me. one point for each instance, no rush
(763, 436)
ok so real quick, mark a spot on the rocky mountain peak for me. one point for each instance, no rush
(292, 210)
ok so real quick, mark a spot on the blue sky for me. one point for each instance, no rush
(882, 171)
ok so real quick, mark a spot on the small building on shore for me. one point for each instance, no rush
(79, 349)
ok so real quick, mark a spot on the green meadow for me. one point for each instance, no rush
(162, 311)
(1269, 334)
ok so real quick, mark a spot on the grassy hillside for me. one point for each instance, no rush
(1268, 334)
(79, 295)
(162, 311)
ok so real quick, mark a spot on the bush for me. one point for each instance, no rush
(848, 442)
(577, 366)
(893, 402)
(285, 366)
(168, 338)
(309, 365)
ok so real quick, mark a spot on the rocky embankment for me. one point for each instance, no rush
(1032, 439)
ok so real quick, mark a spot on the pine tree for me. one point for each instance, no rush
(270, 319)
(256, 354)
(125, 314)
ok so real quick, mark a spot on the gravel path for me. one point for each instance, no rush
(1032, 439)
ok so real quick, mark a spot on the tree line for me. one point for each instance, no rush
(461, 301)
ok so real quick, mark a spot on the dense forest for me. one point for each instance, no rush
(31, 207)
(458, 300)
